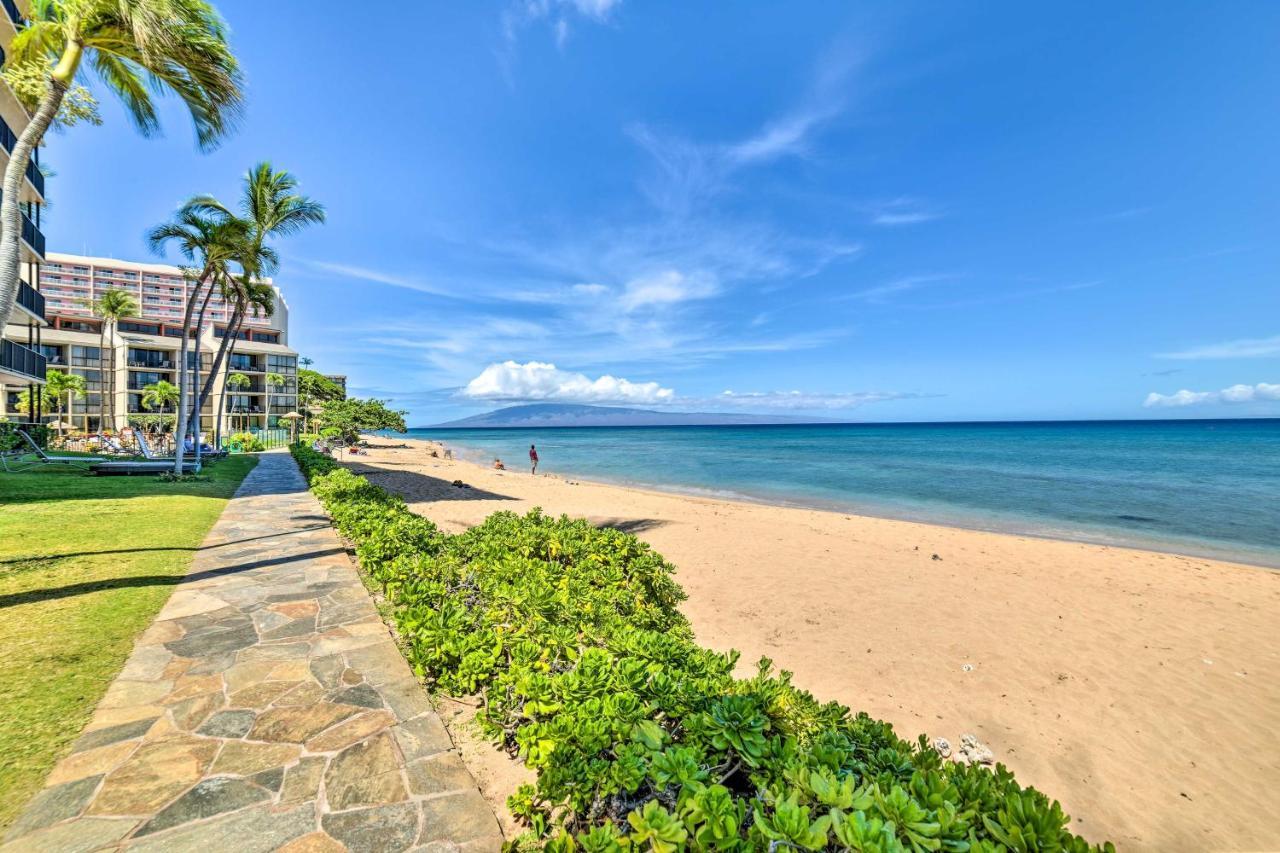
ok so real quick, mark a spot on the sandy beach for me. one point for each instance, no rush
(1140, 689)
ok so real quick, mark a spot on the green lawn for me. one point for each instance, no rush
(85, 564)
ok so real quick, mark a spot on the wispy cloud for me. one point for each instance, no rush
(690, 173)
(903, 211)
(1241, 348)
(1236, 394)
(559, 14)
(1170, 372)
(1125, 213)
(377, 276)
(881, 292)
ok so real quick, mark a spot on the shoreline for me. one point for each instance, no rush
(1240, 555)
(1139, 689)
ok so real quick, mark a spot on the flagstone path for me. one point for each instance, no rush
(266, 708)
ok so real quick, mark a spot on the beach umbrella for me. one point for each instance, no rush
(293, 424)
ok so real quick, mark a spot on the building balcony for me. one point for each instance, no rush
(23, 364)
(150, 365)
(32, 302)
(8, 139)
(14, 13)
(31, 235)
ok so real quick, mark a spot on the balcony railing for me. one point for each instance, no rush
(9, 139)
(30, 233)
(16, 358)
(31, 299)
(15, 14)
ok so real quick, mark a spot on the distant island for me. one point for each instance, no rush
(571, 415)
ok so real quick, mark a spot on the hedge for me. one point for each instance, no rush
(641, 739)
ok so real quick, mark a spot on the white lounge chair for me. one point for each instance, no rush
(20, 462)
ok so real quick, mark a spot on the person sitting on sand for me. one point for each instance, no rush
(498, 466)
(533, 459)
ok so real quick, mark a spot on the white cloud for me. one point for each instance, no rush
(1263, 391)
(511, 381)
(590, 289)
(1243, 348)
(536, 381)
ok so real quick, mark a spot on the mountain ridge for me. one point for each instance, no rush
(532, 415)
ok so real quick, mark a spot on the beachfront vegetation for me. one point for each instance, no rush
(138, 49)
(642, 739)
(85, 565)
(352, 416)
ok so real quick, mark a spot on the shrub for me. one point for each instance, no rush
(10, 440)
(247, 442)
(309, 437)
(641, 738)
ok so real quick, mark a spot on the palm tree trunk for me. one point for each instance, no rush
(110, 375)
(102, 377)
(195, 371)
(181, 432)
(14, 174)
(228, 342)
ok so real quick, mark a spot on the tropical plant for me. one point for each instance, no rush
(160, 395)
(43, 397)
(137, 48)
(235, 382)
(641, 739)
(62, 387)
(111, 306)
(247, 442)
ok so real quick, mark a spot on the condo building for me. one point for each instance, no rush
(22, 367)
(258, 375)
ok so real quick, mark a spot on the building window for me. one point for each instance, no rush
(85, 356)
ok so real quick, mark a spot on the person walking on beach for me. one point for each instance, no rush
(533, 459)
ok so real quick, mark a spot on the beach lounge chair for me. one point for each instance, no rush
(126, 467)
(21, 461)
(145, 447)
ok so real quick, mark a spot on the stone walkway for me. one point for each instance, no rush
(266, 708)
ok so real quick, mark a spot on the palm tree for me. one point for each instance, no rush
(275, 382)
(45, 399)
(63, 386)
(211, 243)
(160, 395)
(138, 48)
(235, 381)
(207, 230)
(111, 306)
(270, 207)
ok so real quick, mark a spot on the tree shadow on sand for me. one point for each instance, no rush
(414, 486)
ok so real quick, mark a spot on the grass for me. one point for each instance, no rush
(85, 564)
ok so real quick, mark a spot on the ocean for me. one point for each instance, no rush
(1203, 487)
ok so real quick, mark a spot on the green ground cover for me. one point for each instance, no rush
(85, 564)
(642, 739)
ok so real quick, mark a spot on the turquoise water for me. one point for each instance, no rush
(1210, 488)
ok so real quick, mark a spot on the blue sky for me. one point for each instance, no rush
(895, 212)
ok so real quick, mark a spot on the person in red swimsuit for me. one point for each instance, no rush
(533, 459)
